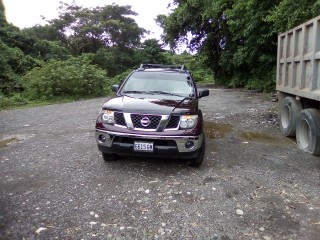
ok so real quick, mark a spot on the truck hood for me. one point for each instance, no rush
(152, 104)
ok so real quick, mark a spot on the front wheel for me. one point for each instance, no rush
(197, 161)
(308, 131)
(109, 157)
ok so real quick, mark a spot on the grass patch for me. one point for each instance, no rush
(14, 102)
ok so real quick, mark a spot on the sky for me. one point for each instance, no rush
(27, 13)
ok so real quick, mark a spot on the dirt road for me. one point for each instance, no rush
(253, 184)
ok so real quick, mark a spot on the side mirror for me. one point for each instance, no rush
(115, 88)
(203, 92)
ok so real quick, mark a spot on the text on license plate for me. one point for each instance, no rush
(143, 146)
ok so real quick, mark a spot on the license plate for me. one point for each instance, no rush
(143, 147)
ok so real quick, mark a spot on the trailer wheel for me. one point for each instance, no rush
(308, 131)
(289, 110)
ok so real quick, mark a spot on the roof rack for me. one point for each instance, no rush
(181, 68)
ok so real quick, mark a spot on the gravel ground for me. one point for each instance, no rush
(253, 184)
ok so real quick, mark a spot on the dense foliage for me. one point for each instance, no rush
(236, 37)
(13, 64)
(78, 55)
(75, 77)
(83, 51)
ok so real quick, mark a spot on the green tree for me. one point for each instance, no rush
(3, 19)
(202, 26)
(86, 30)
(236, 39)
(15, 38)
(289, 13)
(194, 63)
(151, 52)
(251, 51)
(13, 64)
(48, 50)
(20, 52)
(114, 59)
(30, 44)
(46, 32)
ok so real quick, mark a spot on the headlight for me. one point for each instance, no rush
(108, 116)
(188, 121)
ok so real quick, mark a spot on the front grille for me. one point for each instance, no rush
(119, 119)
(173, 122)
(154, 121)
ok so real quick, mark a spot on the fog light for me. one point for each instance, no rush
(102, 138)
(189, 144)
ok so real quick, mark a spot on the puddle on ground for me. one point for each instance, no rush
(214, 130)
(7, 142)
(264, 138)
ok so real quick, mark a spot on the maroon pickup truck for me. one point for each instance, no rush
(155, 113)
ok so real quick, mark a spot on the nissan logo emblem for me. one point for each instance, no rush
(145, 121)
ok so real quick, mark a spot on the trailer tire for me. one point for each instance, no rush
(289, 111)
(308, 131)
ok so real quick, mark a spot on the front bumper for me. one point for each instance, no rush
(164, 146)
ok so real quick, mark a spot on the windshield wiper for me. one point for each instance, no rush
(154, 92)
(138, 92)
(164, 93)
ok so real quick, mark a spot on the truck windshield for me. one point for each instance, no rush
(159, 83)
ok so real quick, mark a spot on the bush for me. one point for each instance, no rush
(254, 81)
(196, 64)
(121, 77)
(73, 78)
(15, 100)
(13, 63)
(48, 50)
(203, 76)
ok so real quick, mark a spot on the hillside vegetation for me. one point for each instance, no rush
(238, 38)
(84, 51)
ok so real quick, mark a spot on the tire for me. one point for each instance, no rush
(109, 157)
(197, 161)
(289, 111)
(308, 131)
